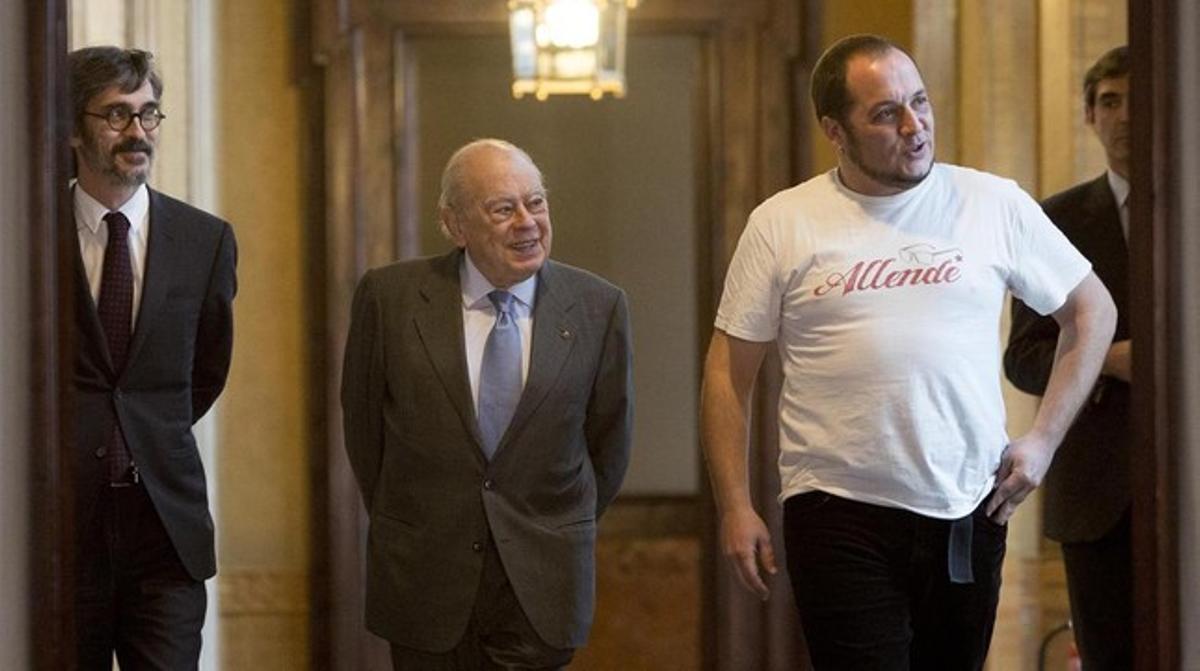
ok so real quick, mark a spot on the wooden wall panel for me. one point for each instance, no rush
(738, 99)
(738, 616)
(50, 333)
(1156, 262)
(405, 154)
(377, 145)
(348, 644)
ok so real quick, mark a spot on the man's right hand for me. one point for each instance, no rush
(729, 372)
(744, 537)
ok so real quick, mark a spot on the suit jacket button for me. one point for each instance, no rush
(477, 546)
(117, 393)
(100, 452)
(488, 485)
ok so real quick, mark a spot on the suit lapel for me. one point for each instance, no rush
(1112, 250)
(161, 248)
(1103, 205)
(440, 326)
(554, 334)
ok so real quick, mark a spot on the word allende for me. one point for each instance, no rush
(877, 274)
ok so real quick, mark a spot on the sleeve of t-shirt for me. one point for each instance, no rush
(1046, 267)
(751, 302)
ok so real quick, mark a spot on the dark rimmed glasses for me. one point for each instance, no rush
(119, 118)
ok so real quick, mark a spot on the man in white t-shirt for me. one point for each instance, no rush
(881, 283)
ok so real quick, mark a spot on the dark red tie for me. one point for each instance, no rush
(116, 315)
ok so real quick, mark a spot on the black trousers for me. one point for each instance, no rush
(1100, 584)
(873, 588)
(133, 596)
(498, 636)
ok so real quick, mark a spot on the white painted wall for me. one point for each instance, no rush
(14, 346)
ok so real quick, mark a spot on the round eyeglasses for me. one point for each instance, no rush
(119, 118)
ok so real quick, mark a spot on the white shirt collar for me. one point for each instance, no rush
(476, 287)
(1119, 186)
(90, 212)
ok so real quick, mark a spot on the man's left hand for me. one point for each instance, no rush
(1022, 467)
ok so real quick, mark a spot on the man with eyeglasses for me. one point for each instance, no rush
(154, 333)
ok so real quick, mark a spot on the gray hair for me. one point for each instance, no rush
(92, 70)
(453, 194)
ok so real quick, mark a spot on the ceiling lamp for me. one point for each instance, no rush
(568, 46)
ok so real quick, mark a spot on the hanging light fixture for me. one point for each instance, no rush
(568, 46)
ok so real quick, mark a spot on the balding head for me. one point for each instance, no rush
(494, 206)
(456, 191)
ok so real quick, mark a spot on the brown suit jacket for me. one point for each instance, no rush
(413, 441)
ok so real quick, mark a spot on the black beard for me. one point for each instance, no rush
(894, 179)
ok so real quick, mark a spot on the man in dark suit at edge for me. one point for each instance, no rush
(487, 399)
(154, 333)
(1087, 499)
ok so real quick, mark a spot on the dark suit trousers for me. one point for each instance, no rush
(1100, 584)
(133, 595)
(498, 636)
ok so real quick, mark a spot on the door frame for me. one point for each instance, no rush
(50, 331)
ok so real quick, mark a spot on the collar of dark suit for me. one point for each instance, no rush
(549, 293)
(1119, 186)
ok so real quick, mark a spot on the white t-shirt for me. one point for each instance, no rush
(886, 312)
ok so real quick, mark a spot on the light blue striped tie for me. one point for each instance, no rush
(500, 373)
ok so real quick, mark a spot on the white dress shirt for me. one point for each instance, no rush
(93, 239)
(479, 315)
(1120, 189)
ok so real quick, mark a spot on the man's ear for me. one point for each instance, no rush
(1089, 114)
(450, 226)
(832, 128)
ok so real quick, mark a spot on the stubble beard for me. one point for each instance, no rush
(895, 179)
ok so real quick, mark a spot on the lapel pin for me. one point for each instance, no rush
(564, 332)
